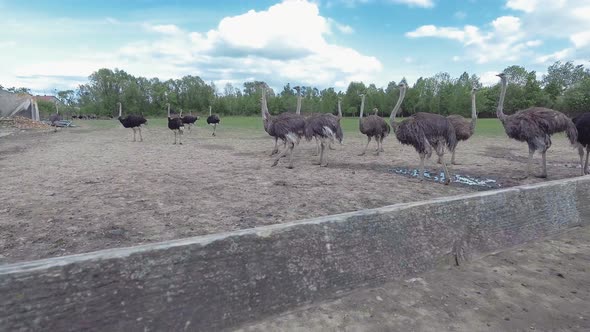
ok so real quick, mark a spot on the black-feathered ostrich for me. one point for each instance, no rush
(326, 129)
(426, 132)
(132, 121)
(535, 126)
(288, 129)
(464, 128)
(213, 119)
(582, 123)
(189, 120)
(373, 126)
(175, 124)
(292, 116)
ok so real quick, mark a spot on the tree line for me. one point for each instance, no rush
(565, 87)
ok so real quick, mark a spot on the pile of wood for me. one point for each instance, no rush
(21, 122)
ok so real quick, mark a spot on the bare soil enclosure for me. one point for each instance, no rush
(84, 189)
(541, 286)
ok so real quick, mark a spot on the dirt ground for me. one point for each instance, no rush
(84, 189)
(542, 286)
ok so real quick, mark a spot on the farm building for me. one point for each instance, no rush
(18, 104)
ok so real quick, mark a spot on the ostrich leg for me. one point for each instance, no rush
(317, 147)
(453, 157)
(281, 155)
(174, 137)
(214, 127)
(323, 154)
(180, 136)
(381, 143)
(582, 165)
(276, 148)
(530, 161)
(331, 147)
(421, 175)
(366, 146)
(544, 174)
(140, 137)
(291, 148)
(446, 170)
(133, 134)
(586, 164)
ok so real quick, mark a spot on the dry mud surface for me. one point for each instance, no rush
(541, 286)
(83, 189)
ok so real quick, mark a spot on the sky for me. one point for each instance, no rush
(56, 45)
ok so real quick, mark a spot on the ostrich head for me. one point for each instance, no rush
(503, 77)
(473, 90)
(375, 110)
(297, 88)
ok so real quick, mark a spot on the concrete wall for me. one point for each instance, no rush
(217, 281)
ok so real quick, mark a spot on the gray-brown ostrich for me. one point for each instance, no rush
(189, 120)
(464, 128)
(293, 117)
(325, 128)
(213, 119)
(175, 124)
(132, 121)
(289, 129)
(535, 126)
(373, 126)
(582, 123)
(426, 132)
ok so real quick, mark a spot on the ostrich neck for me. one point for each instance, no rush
(362, 110)
(264, 109)
(402, 94)
(473, 112)
(120, 111)
(500, 110)
(298, 103)
(339, 109)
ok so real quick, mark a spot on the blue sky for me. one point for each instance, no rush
(47, 45)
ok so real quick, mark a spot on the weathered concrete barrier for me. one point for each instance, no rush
(216, 281)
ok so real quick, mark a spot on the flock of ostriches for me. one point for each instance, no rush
(426, 132)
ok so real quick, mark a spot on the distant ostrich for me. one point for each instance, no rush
(213, 120)
(132, 121)
(463, 128)
(373, 126)
(426, 132)
(189, 120)
(325, 128)
(582, 123)
(289, 129)
(175, 124)
(535, 126)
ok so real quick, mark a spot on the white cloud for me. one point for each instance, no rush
(513, 38)
(271, 45)
(416, 3)
(460, 15)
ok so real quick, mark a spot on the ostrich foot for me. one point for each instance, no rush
(174, 143)
(274, 152)
(213, 134)
(455, 163)
(382, 150)
(447, 182)
(541, 176)
(290, 167)
(331, 147)
(362, 154)
(180, 143)
(325, 165)
(276, 162)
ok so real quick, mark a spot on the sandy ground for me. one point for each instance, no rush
(83, 189)
(542, 286)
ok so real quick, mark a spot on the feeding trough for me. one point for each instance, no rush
(467, 180)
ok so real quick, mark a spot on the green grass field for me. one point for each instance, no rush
(485, 127)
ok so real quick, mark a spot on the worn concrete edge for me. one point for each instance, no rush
(261, 231)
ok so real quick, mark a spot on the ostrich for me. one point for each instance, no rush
(373, 126)
(132, 121)
(535, 126)
(426, 132)
(175, 124)
(288, 116)
(463, 128)
(213, 120)
(325, 128)
(582, 123)
(189, 120)
(289, 129)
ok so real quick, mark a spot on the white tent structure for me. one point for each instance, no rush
(13, 104)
